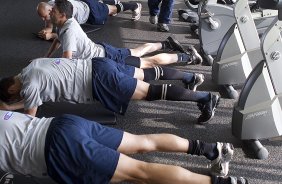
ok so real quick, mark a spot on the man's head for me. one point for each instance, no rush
(10, 88)
(61, 12)
(43, 10)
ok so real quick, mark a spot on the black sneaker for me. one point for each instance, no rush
(198, 80)
(195, 57)
(208, 109)
(175, 45)
(162, 27)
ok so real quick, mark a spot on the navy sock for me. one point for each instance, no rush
(124, 6)
(165, 73)
(165, 45)
(174, 93)
(183, 57)
(209, 150)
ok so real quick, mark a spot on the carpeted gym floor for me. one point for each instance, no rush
(18, 20)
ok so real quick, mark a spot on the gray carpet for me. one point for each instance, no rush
(17, 44)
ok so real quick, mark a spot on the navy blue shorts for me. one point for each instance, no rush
(81, 151)
(98, 12)
(113, 83)
(117, 54)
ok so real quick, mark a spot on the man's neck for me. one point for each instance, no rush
(62, 23)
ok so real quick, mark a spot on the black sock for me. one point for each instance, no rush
(220, 180)
(175, 93)
(124, 6)
(183, 57)
(165, 73)
(209, 150)
(165, 45)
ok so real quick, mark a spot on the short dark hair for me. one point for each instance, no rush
(64, 6)
(5, 83)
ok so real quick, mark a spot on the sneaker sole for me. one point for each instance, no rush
(197, 55)
(213, 110)
(224, 161)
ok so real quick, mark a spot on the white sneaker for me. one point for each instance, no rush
(153, 19)
(136, 14)
(162, 27)
(220, 165)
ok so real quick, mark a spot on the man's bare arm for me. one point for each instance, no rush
(31, 111)
(55, 45)
(67, 54)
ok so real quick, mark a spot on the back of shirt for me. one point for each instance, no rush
(22, 142)
(56, 79)
(80, 11)
(73, 38)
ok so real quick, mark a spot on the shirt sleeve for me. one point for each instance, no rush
(31, 96)
(69, 41)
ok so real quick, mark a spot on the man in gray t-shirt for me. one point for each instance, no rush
(111, 83)
(76, 44)
(70, 149)
(90, 11)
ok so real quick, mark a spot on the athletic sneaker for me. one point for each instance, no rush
(198, 80)
(175, 45)
(153, 19)
(231, 180)
(220, 165)
(238, 180)
(195, 58)
(136, 14)
(188, 16)
(162, 27)
(208, 109)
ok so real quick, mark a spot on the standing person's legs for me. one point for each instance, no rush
(165, 15)
(154, 10)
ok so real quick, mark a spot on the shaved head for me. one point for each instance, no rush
(43, 10)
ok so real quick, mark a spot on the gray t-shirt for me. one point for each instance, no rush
(80, 10)
(56, 79)
(73, 38)
(22, 140)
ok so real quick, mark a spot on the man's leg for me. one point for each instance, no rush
(220, 154)
(169, 44)
(207, 102)
(132, 170)
(133, 6)
(163, 59)
(165, 15)
(129, 169)
(190, 80)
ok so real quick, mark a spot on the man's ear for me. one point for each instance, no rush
(63, 15)
(12, 89)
